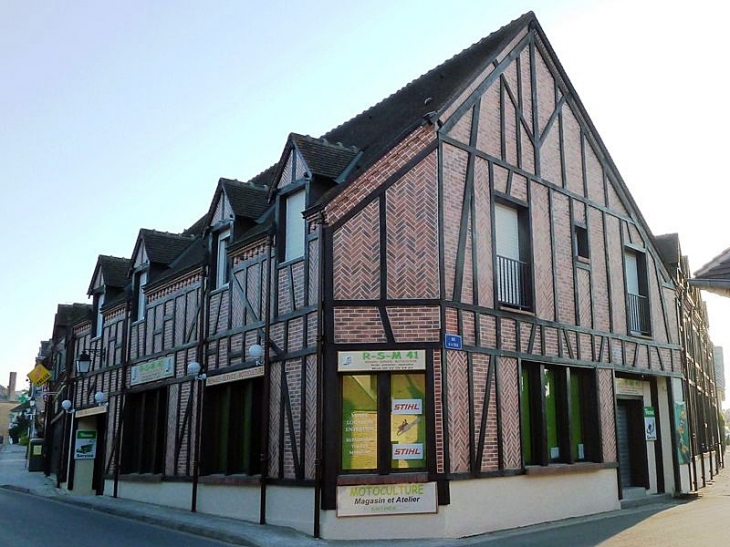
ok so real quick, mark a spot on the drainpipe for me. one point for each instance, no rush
(122, 396)
(320, 374)
(267, 379)
(202, 357)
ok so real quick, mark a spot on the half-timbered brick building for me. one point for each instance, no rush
(446, 314)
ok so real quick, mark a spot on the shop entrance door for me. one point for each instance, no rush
(633, 469)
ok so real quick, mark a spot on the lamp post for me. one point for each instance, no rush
(196, 377)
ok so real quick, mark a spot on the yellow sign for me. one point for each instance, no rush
(39, 375)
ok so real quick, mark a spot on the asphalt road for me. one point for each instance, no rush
(32, 521)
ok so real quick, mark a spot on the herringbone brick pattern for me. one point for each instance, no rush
(489, 135)
(599, 272)
(274, 417)
(542, 245)
(483, 233)
(412, 233)
(490, 457)
(564, 258)
(314, 281)
(608, 424)
(458, 411)
(311, 418)
(478, 381)
(584, 297)
(255, 291)
(509, 399)
(292, 417)
(357, 256)
(454, 177)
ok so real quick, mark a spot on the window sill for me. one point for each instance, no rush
(393, 478)
(567, 468)
(220, 289)
(231, 480)
(141, 477)
(511, 309)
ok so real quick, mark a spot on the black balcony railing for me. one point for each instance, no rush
(638, 314)
(514, 286)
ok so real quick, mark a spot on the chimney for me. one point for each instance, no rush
(11, 386)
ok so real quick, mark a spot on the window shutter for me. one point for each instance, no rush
(508, 234)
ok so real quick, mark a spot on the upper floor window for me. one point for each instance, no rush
(140, 298)
(221, 265)
(294, 225)
(580, 241)
(512, 245)
(637, 294)
(98, 325)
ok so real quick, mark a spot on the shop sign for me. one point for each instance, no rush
(650, 423)
(371, 361)
(39, 375)
(245, 374)
(626, 386)
(360, 440)
(85, 448)
(452, 341)
(386, 499)
(407, 406)
(154, 370)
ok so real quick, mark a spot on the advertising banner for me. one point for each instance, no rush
(359, 422)
(649, 423)
(85, 448)
(153, 370)
(372, 361)
(386, 499)
(681, 431)
(39, 375)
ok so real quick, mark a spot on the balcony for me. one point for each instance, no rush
(514, 285)
(638, 314)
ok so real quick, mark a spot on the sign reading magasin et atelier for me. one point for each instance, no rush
(371, 361)
(153, 370)
(386, 499)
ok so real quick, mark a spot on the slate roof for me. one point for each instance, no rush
(380, 127)
(164, 247)
(190, 259)
(246, 198)
(669, 249)
(324, 158)
(68, 315)
(115, 270)
(715, 275)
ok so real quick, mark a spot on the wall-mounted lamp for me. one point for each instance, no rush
(194, 370)
(83, 363)
(66, 406)
(100, 398)
(256, 352)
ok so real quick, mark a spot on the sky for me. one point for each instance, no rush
(121, 115)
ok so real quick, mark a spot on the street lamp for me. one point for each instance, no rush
(83, 362)
(256, 353)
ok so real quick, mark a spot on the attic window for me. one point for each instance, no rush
(294, 232)
(221, 264)
(140, 298)
(582, 249)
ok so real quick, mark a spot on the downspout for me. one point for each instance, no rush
(202, 358)
(320, 373)
(62, 473)
(267, 379)
(122, 396)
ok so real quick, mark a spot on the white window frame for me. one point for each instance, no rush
(295, 226)
(141, 280)
(222, 273)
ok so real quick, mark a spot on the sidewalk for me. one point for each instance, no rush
(15, 476)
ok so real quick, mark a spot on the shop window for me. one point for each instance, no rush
(637, 293)
(231, 428)
(143, 438)
(558, 415)
(512, 249)
(383, 422)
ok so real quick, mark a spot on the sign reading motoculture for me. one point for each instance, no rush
(153, 370)
(386, 499)
(369, 361)
(85, 448)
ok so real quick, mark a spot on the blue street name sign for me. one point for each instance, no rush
(452, 341)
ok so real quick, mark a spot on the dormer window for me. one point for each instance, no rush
(221, 264)
(140, 298)
(294, 228)
(98, 316)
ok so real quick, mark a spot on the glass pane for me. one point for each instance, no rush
(360, 422)
(576, 418)
(294, 238)
(551, 415)
(407, 421)
(526, 417)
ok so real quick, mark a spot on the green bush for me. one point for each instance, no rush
(24, 440)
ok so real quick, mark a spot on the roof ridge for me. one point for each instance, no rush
(164, 233)
(525, 16)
